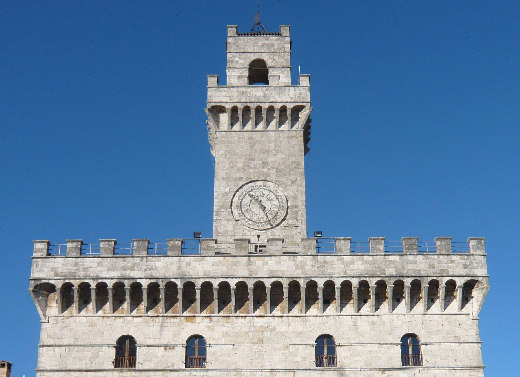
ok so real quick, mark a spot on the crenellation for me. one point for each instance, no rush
(107, 247)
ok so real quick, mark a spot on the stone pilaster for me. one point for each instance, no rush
(163, 299)
(407, 297)
(197, 300)
(355, 296)
(181, 299)
(372, 298)
(459, 298)
(128, 302)
(302, 298)
(338, 298)
(76, 299)
(110, 300)
(285, 299)
(442, 295)
(425, 297)
(93, 299)
(215, 300)
(233, 309)
(268, 299)
(58, 300)
(250, 291)
(390, 289)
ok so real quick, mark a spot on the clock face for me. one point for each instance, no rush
(259, 205)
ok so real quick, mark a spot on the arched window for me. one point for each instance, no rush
(195, 352)
(325, 351)
(126, 351)
(258, 72)
(411, 351)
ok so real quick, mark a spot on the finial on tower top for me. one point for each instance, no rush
(258, 27)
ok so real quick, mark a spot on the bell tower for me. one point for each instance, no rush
(259, 128)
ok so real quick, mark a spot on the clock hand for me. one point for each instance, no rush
(262, 207)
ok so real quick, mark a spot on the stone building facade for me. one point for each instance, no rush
(261, 298)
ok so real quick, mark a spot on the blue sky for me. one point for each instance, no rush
(415, 131)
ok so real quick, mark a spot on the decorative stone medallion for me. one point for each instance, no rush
(259, 205)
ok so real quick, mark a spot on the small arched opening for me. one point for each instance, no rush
(325, 351)
(258, 72)
(195, 352)
(411, 351)
(126, 352)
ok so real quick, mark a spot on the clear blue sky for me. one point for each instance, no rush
(415, 131)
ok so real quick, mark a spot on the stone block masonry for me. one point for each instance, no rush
(259, 298)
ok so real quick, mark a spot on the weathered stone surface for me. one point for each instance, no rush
(260, 295)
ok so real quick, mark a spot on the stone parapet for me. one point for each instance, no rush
(273, 95)
(290, 266)
(274, 246)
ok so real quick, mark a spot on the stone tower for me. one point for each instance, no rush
(5, 368)
(260, 298)
(259, 129)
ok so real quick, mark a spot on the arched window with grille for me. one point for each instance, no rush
(411, 351)
(126, 352)
(325, 351)
(195, 352)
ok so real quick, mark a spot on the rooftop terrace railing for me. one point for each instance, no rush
(191, 246)
(91, 249)
(325, 245)
(275, 246)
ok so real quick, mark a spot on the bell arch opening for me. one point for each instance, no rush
(258, 73)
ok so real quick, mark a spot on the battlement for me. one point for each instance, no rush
(192, 276)
(274, 246)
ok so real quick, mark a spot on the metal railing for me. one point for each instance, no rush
(90, 249)
(325, 245)
(158, 248)
(459, 247)
(58, 249)
(124, 362)
(411, 360)
(124, 249)
(191, 246)
(393, 247)
(326, 360)
(427, 247)
(195, 362)
(359, 247)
